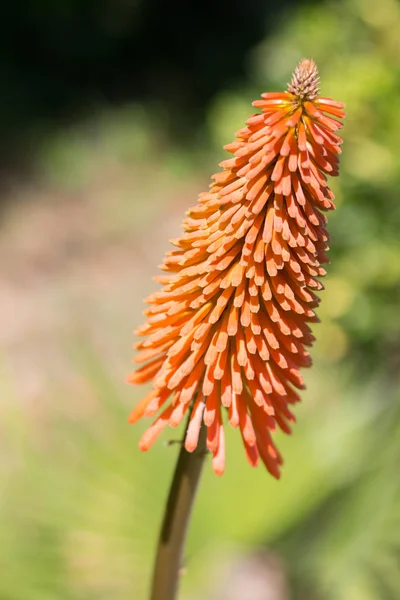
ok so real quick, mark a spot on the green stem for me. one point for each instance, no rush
(176, 518)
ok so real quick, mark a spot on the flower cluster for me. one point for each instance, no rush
(230, 326)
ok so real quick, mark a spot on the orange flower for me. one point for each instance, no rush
(230, 327)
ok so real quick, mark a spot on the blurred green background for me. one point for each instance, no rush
(96, 177)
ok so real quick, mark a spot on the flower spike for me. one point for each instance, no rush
(230, 328)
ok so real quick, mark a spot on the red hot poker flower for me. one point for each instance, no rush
(230, 326)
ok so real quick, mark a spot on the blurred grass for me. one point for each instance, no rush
(79, 506)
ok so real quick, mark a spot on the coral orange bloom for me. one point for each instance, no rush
(230, 327)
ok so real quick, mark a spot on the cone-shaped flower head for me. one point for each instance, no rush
(230, 327)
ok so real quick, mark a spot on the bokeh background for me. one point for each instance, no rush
(113, 115)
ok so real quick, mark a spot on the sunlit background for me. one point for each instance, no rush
(113, 117)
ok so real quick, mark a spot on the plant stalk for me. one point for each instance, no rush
(168, 563)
